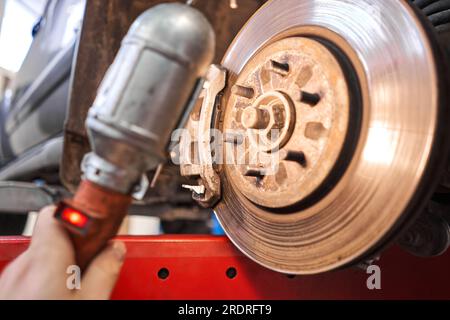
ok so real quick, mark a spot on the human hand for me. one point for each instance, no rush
(41, 271)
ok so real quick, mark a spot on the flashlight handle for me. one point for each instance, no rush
(102, 210)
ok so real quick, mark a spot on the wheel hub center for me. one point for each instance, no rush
(292, 102)
(269, 121)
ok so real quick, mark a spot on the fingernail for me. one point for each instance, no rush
(120, 250)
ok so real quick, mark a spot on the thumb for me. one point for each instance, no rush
(101, 276)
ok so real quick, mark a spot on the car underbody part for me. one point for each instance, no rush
(351, 103)
(199, 127)
(39, 162)
(25, 197)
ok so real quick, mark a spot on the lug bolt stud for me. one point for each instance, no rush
(242, 91)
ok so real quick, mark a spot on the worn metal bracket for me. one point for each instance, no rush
(200, 158)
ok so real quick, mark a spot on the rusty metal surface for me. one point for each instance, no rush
(200, 163)
(105, 24)
(295, 120)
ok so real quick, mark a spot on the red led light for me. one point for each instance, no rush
(74, 217)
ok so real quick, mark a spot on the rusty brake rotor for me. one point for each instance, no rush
(353, 94)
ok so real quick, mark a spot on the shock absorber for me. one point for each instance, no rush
(153, 81)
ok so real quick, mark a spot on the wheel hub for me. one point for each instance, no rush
(292, 102)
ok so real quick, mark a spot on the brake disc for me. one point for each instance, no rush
(354, 90)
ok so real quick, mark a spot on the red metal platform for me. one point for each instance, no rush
(197, 269)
